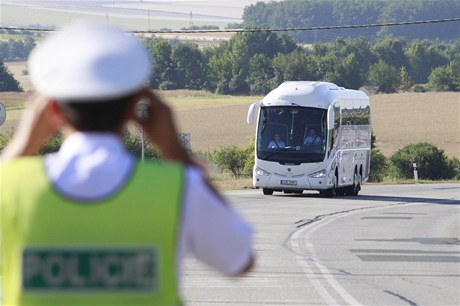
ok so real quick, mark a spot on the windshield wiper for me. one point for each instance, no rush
(289, 148)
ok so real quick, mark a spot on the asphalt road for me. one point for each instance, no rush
(391, 245)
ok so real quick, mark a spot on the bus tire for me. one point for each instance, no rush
(330, 192)
(340, 191)
(354, 189)
(267, 191)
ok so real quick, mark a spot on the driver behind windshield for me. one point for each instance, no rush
(312, 138)
(276, 142)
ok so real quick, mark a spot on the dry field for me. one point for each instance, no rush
(401, 119)
(397, 120)
(218, 121)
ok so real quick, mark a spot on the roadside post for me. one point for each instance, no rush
(415, 171)
(185, 141)
(142, 112)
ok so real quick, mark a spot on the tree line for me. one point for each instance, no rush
(16, 49)
(253, 63)
(320, 13)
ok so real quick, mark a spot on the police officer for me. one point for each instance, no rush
(90, 224)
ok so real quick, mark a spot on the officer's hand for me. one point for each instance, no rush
(159, 125)
(38, 124)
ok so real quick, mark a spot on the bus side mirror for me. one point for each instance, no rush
(330, 118)
(252, 112)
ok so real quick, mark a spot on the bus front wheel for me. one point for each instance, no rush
(331, 192)
(267, 191)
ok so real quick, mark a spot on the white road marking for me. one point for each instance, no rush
(300, 244)
(308, 262)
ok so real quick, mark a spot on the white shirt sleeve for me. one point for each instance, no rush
(211, 230)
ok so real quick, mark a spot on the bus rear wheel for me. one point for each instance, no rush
(354, 189)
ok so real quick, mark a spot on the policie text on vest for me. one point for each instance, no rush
(89, 269)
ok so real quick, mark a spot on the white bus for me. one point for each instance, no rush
(323, 139)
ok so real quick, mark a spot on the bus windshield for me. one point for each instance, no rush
(292, 134)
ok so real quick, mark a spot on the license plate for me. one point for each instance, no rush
(289, 182)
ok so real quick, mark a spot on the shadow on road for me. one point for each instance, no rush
(382, 198)
(403, 199)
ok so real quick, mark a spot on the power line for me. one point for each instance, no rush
(249, 30)
(303, 29)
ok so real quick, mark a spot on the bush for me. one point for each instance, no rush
(230, 159)
(168, 85)
(5, 139)
(384, 76)
(250, 155)
(406, 81)
(379, 166)
(454, 168)
(419, 88)
(7, 80)
(52, 145)
(445, 78)
(431, 162)
(133, 144)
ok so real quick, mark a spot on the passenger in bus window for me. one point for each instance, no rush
(276, 142)
(312, 138)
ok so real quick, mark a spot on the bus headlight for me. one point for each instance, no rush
(318, 174)
(259, 171)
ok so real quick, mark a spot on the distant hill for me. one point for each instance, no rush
(321, 13)
(132, 15)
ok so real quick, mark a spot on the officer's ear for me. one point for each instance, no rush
(131, 110)
(54, 114)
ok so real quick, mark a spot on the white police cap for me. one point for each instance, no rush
(87, 62)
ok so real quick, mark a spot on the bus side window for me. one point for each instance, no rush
(335, 132)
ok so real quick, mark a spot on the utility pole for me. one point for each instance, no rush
(148, 13)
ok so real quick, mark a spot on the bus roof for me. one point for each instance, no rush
(309, 94)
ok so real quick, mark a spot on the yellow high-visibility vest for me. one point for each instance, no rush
(120, 250)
